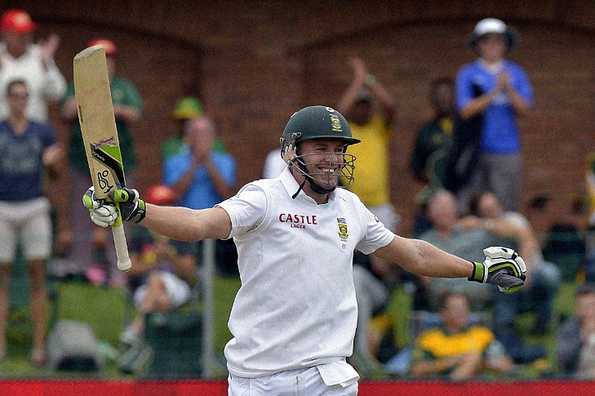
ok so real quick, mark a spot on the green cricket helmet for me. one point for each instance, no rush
(317, 122)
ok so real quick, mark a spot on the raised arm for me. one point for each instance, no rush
(360, 73)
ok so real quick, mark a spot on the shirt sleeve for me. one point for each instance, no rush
(376, 235)
(247, 210)
(49, 136)
(523, 86)
(173, 170)
(228, 170)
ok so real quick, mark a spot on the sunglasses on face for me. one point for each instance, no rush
(19, 95)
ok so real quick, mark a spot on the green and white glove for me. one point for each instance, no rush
(104, 213)
(502, 267)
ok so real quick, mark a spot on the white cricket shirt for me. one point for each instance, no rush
(296, 307)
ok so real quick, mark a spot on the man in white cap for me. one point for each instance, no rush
(494, 91)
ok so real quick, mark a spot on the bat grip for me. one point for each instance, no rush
(123, 260)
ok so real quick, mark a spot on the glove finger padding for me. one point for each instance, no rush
(506, 283)
(104, 216)
(502, 267)
(502, 258)
(131, 206)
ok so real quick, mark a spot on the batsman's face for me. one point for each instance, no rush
(324, 160)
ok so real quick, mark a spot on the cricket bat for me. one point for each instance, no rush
(100, 136)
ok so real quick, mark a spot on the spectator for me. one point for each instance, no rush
(458, 349)
(590, 236)
(373, 127)
(499, 91)
(449, 236)
(434, 137)
(201, 178)
(431, 148)
(575, 337)
(33, 63)
(370, 110)
(542, 283)
(186, 109)
(273, 164)
(565, 242)
(26, 147)
(163, 272)
(89, 245)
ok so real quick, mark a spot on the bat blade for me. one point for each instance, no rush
(100, 136)
(98, 124)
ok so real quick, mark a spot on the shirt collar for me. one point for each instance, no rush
(291, 186)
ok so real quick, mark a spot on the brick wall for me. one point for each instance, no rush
(254, 63)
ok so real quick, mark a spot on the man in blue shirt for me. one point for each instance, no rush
(200, 176)
(498, 90)
(26, 147)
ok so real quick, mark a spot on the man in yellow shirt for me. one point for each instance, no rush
(458, 348)
(370, 110)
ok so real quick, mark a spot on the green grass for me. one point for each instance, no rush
(103, 309)
(106, 311)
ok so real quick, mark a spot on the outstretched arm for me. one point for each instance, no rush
(178, 223)
(184, 224)
(502, 267)
(422, 258)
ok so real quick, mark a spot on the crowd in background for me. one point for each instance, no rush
(467, 158)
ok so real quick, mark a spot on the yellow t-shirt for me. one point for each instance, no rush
(439, 344)
(371, 179)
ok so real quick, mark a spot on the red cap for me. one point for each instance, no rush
(108, 45)
(160, 194)
(18, 21)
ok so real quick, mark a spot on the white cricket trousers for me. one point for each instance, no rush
(303, 382)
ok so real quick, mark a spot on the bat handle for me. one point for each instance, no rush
(123, 259)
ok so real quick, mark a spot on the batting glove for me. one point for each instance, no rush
(502, 267)
(132, 207)
(102, 213)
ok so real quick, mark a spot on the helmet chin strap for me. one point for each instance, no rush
(313, 185)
